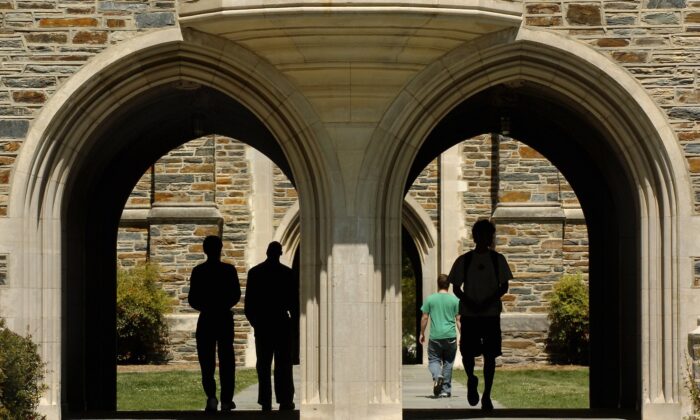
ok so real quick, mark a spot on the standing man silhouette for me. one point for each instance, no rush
(214, 290)
(271, 303)
(480, 277)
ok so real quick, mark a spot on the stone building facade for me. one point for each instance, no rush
(541, 229)
(351, 110)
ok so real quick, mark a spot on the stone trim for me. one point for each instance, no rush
(538, 213)
(170, 214)
(134, 218)
(185, 214)
(574, 215)
(519, 322)
(515, 213)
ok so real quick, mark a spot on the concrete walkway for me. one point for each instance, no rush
(417, 392)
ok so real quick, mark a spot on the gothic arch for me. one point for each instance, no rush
(91, 111)
(589, 85)
(414, 218)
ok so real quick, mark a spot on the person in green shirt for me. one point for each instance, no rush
(442, 309)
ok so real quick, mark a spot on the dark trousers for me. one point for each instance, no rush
(274, 343)
(216, 331)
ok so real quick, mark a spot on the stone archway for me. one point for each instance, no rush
(635, 169)
(85, 151)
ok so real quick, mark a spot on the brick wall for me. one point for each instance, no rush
(479, 197)
(426, 190)
(284, 196)
(655, 40)
(42, 43)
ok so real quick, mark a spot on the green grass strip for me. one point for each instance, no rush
(535, 388)
(173, 390)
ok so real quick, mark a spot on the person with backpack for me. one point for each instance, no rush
(479, 278)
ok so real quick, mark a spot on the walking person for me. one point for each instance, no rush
(479, 278)
(214, 290)
(271, 305)
(442, 309)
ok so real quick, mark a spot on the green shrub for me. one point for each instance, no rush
(21, 376)
(142, 333)
(693, 390)
(409, 342)
(568, 315)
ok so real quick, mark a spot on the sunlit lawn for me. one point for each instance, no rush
(513, 388)
(173, 390)
(537, 388)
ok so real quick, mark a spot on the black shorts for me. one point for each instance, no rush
(480, 335)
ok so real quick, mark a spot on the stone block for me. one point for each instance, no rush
(612, 42)
(116, 23)
(90, 37)
(621, 20)
(661, 18)
(34, 5)
(155, 20)
(689, 96)
(523, 241)
(521, 322)
(514, 196)
(29, 96)
(543, 21)
(29, 82)
(666, 4)
(692, 17)
(11, 44)
(46, 38)
(122, 6)
(519, 177)
(630, 56)
(583, 14)
(694, 164)
(543, 8)
(685, 113)
(67, 22)
(13, 128)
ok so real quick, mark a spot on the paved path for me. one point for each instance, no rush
(417, 392)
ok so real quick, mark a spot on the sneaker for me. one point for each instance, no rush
(437, 386)
(472, 391)
(287, 406)
(212, 404)
(228, 406)
(486, 403)
(445, 395)
(266, 407)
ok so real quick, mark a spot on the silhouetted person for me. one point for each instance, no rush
(480, 277)
(214, 290)
(271, 305)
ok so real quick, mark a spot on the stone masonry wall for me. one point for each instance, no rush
(233, 190)
(214, 171)
(504, 174)
(479, 199)
(42, 43)
(655, 40)
(426, 190)
(284, 195)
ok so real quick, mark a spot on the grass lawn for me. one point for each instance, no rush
(537, 388)
(170, 390)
